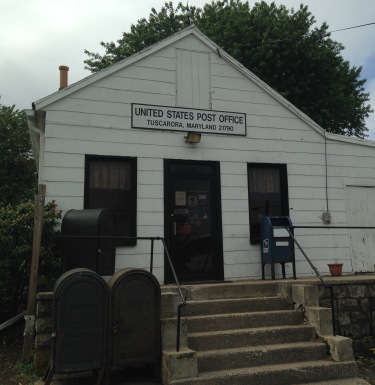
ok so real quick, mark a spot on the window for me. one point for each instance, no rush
(111, 182)
(268, 194)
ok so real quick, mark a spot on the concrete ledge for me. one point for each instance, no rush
(341, 348)
(169, 302)
(305, 295)
(179, 365)
(321, 319)
(169, 333)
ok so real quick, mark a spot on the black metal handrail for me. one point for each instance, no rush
(330, 287)
(152, 239)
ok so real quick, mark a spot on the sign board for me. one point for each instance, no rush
(188, 119)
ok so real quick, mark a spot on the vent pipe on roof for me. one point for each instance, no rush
(63, 77)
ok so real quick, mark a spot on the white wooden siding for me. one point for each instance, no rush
(193, 79)
(97, 120)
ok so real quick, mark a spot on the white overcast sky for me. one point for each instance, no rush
(36, 36)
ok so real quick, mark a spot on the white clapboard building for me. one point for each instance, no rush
(185, 143)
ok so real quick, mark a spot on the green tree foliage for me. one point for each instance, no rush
(281, 46)
(17, 166)
(16, 240)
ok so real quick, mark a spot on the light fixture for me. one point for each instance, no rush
(193, 138)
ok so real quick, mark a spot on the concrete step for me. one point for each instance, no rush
(237, 305)
(228, 339)
(243, 320)
(212, 360)
(286, 374)
(240, 289)
(172, 288)
(350, 381)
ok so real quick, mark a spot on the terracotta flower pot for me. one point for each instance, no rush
(335, 269)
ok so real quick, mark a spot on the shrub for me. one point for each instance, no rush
(16, 243)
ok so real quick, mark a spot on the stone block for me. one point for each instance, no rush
(341, 348)
(355, 331)
(339, 291)
(179, 365)
(305, 295)
(325, 303)
(364, 345)
(321, 319)
(365, 329)
(364, 305)
(44, 307)
(169, 302)
(359, 316)
(343, 317)
(347, 304)
(322, 292)
(285, 289)
(41, 360)
(43, 340)
(371, 290)
(357, 291)
(45, 295)
(169, 333)
(43, 325)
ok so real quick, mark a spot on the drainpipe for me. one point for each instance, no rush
(36, 124)
(326, 215)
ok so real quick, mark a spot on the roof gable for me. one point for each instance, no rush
(191, 31)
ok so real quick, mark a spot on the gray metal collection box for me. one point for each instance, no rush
(79, 324)
(134, 320)
(92, 253)
(277, 246)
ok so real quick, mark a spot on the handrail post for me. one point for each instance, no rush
(179, 306)
(330, 287)
(318, 275)
(152, 255)
(183, 299)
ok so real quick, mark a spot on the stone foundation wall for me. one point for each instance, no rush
(354, 308)
(43, 336)
(354, 311)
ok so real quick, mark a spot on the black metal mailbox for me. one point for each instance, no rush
(134, 320)
(92, 253)
(79, 324)
(277, 246)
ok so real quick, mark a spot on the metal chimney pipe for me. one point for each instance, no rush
(63, 77)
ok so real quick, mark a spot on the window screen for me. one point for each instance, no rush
(111, 182)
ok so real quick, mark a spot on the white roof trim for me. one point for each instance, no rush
(193, 30)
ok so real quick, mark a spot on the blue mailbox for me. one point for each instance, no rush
(277, 246)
